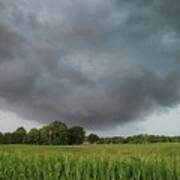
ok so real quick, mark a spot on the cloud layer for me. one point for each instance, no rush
(93, 63)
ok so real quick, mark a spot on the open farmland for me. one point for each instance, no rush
(91, 162)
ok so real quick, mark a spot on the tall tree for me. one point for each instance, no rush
(33, 137)
(1, 138)
(8, 138)
(92, 138)
(19, 136)
(77, 135)
(55, 133)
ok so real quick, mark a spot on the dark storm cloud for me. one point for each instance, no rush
(92, 63)
(9, 41)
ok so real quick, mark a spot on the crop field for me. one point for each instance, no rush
(90, 162)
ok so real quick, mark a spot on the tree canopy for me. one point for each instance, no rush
(93, 138)
(57, 133)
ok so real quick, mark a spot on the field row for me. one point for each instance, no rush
(69, 168)
(107, 162)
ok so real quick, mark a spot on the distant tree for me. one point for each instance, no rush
(77, 135)
(55, 133)
(1, 138)
(19, 136)
(8, 138)
(44, 135)
(92, 138)
(33, 137)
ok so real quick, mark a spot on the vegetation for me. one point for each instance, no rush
(138, 139)
(57, 133)
(76, 135)
(100, 162)
(93, 138)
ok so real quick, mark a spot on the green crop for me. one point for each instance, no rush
(101, 162)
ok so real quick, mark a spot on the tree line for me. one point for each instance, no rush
(57, 133)
(138, 139)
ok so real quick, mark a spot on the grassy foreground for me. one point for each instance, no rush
(95, 162)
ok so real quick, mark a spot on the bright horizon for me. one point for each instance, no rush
(168, 123)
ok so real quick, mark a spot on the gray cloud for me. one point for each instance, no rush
(9, 42)
(93, 63)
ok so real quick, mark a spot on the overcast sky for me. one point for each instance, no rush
(111, 66)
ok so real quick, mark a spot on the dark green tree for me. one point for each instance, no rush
(55, 133)
(8, 138)
(33, 137)
(1, 138)
(92, 138)
(77, 135)
(19, 136)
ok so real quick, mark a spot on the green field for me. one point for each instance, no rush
(91, 162)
